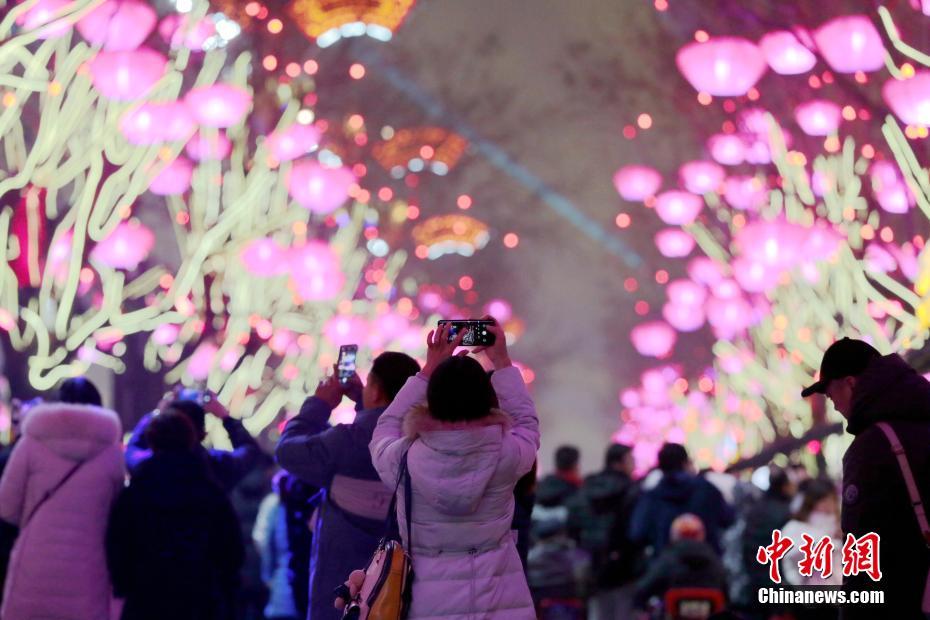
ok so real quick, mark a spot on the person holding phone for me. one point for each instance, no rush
(464, 456)
(335, 458)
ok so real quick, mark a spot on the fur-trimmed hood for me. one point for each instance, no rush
(452, 463)
(76, 432)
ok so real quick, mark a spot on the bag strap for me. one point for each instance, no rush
(408, 506)
(48, 494)
(392, 528)
(909, 481)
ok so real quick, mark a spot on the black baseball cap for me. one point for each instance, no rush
(844, 358)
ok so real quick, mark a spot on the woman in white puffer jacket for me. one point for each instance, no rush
(466, 453)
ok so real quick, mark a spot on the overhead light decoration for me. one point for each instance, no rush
(420, 148)
(328, 21)
(451, 234)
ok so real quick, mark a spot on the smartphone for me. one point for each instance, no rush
(346, 363)
(476, 332)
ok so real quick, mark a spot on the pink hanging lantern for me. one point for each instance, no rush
(174, 179)
(754, 277)
(729, 317)
(674, 243)
(153, 123)
(921, 5)
(174, 29)
(745, 193)
(219, 105)
(678, 208)
(818, 117)
(166, 334)
(316, 274)
(722, 67)
(653, 339)
(822, 183)
(909, 99)
(851, 43)
(820, 242)
(125, 247)
(43, 12)
(706, 271)
(726, 289)
(321, 190)
(879, 259)
(896, 199)
(727, 149)
(785, 54)
(686, 293)
(499, 309)
(264, 258)
(125, 76)
(344, 329)
(636, 183)
(293, 142)
(701, 177)
(201, 361)
(205, 147)
(59, 255)
(118, 25)
(684, 318)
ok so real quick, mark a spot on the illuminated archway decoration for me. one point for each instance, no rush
(328, 21)
(420, 148)
(451, 234)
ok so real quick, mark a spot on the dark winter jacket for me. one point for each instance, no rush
(557, 568)
(682, 564)
(553, 490)
(599, 519)
(354, 502)
(771, 512)
(174, 548)
(875, 498)
(676, 494)
(227, 467)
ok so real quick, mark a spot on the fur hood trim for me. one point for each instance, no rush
(420, 421)
(74, 430)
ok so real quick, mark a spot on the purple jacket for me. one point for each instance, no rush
(463, 475)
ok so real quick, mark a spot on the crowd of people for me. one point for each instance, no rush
(94, 527)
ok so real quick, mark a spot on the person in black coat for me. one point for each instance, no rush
(770, 513)
(174, 547)
(868, 388)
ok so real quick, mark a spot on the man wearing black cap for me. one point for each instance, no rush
(877, 394)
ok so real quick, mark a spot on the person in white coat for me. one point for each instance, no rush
(466, 453)
(58, 488)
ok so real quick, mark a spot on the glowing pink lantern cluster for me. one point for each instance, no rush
(154, 123)
(818, 117)
(705, 270)
(126, 76)
(653, 339)
(850, 44)
(685, 308)
(315, 270)
(678, 208)
(723, 66)
(674, 242)
(174, 179)
(701, 177)
(785, 54)
(125, 247)
(264, 258)
(118, 25)
(293, 142)
(321, 190)
(219, 105)
(910, 99)
(635, 183)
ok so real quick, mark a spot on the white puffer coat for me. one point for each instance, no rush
(58, 566)
(464, 556)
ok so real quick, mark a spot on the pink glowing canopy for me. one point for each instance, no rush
(818, 117)
(125, 76)
(700, 177)
(321, 190)
(315, 270)
(173, 179)
(264, 258)
(678, 208)
(118, 25)
(635, 183)
(785, 54)
(722, 66)
(293, 142)
(153, 123)
(851, 43)
(674, 242)
(125, 247)
(909, 99)
(653, 339)
(727, 149)
(219, 105)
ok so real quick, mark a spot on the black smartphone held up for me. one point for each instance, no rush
(346, 363)
(476, 332)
